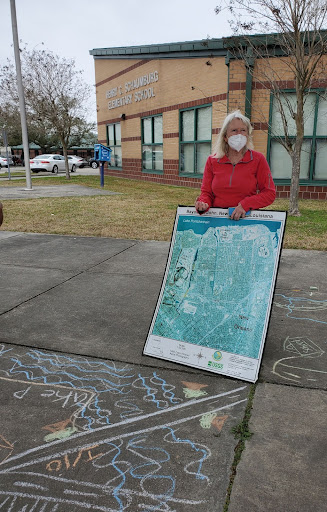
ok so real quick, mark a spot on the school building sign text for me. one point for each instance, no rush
(123, 94)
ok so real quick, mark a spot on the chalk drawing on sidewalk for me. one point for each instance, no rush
(211, 419)
(6, 449)
(219, 421)
(60, 434)
(206, 419)
(132, 471)
(302, 346)
(194, 389)
(303, 362)
(118, 438)
(302, 308)
(304, 365)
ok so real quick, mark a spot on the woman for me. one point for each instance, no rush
(235, 175)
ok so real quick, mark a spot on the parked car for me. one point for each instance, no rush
(93, 163)
(51, 163)
(77, 160)
(4, 161)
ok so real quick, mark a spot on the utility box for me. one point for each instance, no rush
(102, 153)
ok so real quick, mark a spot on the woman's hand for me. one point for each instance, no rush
(201, 207)
(238, 213)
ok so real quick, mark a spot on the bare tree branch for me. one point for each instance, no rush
(292, 31)
(55, 95)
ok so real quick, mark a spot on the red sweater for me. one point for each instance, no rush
(248, 182)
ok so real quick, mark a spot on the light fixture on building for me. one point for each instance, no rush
(122, 116)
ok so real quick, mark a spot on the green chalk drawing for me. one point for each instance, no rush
(206, 419)
(193, 393)
(60, 434)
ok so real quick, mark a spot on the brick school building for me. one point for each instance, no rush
(160, 108)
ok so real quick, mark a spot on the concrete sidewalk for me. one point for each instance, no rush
(89, 423)
(52, 191)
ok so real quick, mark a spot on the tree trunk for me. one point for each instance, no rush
(295, 180)
(296, 156)
(64, 147)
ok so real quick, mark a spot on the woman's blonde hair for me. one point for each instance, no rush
(221, 147)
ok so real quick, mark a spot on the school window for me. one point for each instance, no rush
(152, 148)
(114, 142)
(314, 150)
(195, 139)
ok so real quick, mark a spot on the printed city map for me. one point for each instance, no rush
(215, 302)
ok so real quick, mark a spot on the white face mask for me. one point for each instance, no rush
(237, 142)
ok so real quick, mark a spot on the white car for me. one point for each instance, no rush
(4, 161)
(51, 163)
(77, 160)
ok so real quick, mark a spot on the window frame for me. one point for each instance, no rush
(195, 141)
(312, 138)
(112, 146)
(152, 144)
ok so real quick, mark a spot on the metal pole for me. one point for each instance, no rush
(21, 96)
(102, 174)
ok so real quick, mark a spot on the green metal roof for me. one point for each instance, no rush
(273, 39)
(189, 49)
(202, 48)
(31, 146)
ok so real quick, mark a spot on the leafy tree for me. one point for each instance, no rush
(10, 119)
(55, 95)
(39, 132)
(83, 134)
(295, 34)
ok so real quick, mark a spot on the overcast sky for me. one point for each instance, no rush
(70, 28)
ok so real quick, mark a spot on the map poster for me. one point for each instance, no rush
(215, 301)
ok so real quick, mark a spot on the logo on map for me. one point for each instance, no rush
(213, 364)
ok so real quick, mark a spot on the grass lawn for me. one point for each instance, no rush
(12, 174)
(143, 211)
